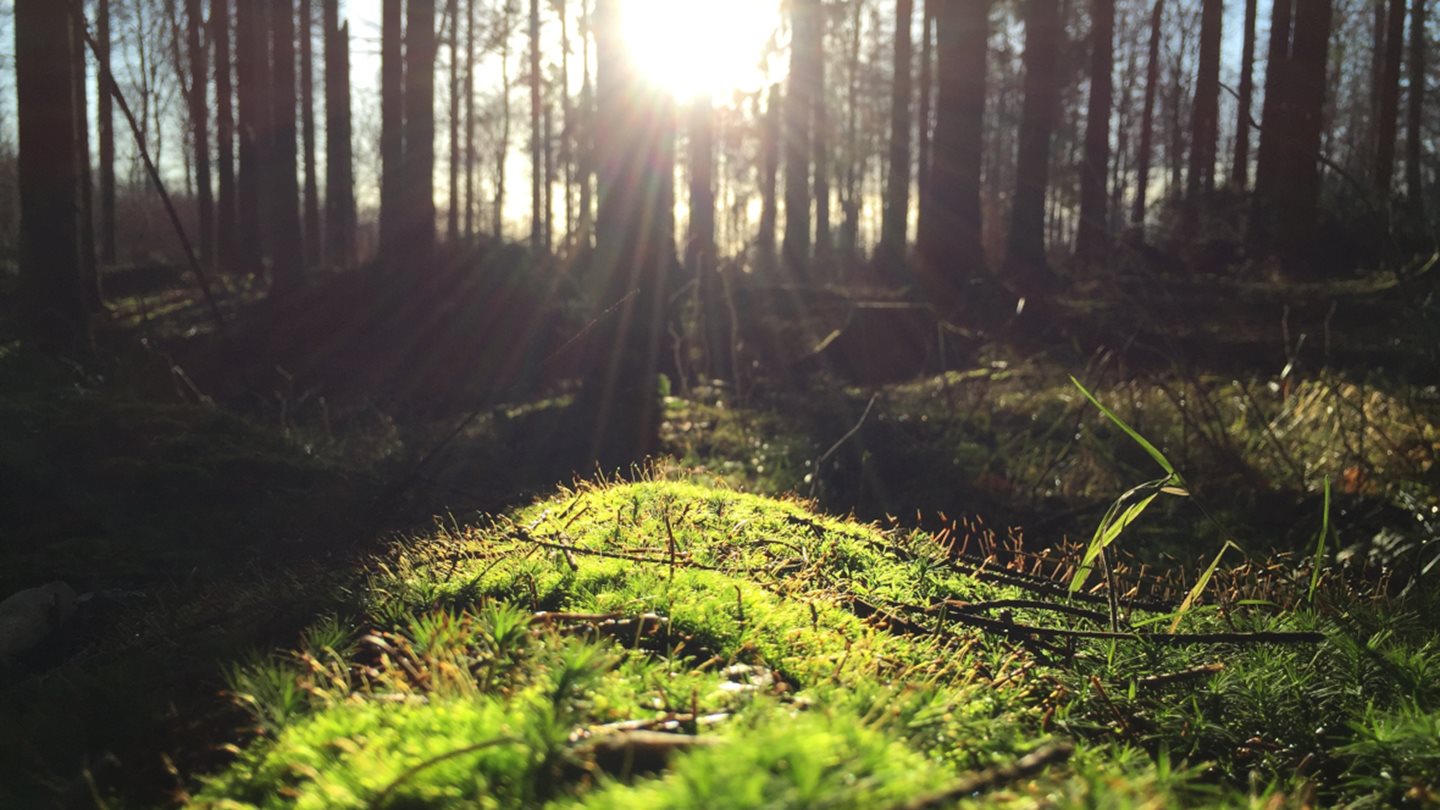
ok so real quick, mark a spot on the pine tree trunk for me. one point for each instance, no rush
(949, 245)
(1274, 132)
(419, 196)
(339, 157)
(547, 149)
(225, 208)
(106, 125)
(1414, 119)
(200, 126)
(894, 226)
(1240, 170)
(502, 152)
(471, 198)
(252, 67)
(392, 132)
(89, 267)
(452, 219)
(587, 138)
(769, 170)
(1025, 259)
(799, 134)
(1205, 120)
(537, 161)
(52, 309)
(287, 253)
(567, 123)
(922, 115)
(1092, 242)
(1385, 127)
(314, 239)
(701, 251)
(820, 153)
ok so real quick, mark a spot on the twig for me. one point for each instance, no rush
(815, 481)
(990, 778)
(1174, 639)
(1170, 678)
(1022, 604)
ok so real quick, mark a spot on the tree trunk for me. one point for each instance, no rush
(1205, 120)
(799, 134)
(419, 198)
(1025, 259)
(1414, 137)
(701, 255)
(1092, 242)
(1147, 118)
(1240, 171)
(894, 226)
(587, 136)
(547, 149)
(52, 309)
(339, 157)
(1276, 119)
(949, 246)
(471, 198)
(225, 211)
(1385, 127)
(922, 116)
(567, 123)
(537, 162)
(502, 151)
(314, 247)
(392, 131)
(287, 253)
(452, 218)
(89, 268)
(252, 66)
(769, 169)
(200, 126)
(106, 125)
(820, 154)
(634, 248)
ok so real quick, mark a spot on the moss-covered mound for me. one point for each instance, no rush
(664, 644)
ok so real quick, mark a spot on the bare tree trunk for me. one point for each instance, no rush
(419, 198)
(894, 226)
(392, 131)
(339, 157)
(106, 124)
(1275, 122)
(1025, 259)
(587, 130)
(548, 151)
(1240, 171)
(701, 251)
(314, 241)
(949, 246)
(1414, 119)
(452, 219)
(1092, 242)
(224, 133)
(52, 311)
(252, 66)
(471, 198)
(922, 116)
(200, 126)
(1205, 120)
(769, 169)
(1385, 127)
(820, 154)
(287, 256)
(537, 162)
(567, 122)
(799, 133)
(89, 267)
(502, 152)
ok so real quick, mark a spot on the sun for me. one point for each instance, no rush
(700, 48)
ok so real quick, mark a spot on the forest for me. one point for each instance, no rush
(719, 404)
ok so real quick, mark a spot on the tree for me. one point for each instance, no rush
(1205, 120)
(1385, 126)
(471, 202)
(287, 251)
(392, 130)
(53, 313)
(820, 128)
(1092, 242)
(1414, 138)
(200, 125)
(769, 169)
(895, 220)
(1025, 262)
(89, 267)
(106, 125)
(1240, 171)
(339, 156)
(634, 247)
(1275, 115)
(225, 210)
(949, 246)
(701, 252)
(252, 67)
(537, 161)
(1147, 117)
(805, 38)
(313, 237)
(452, 213)
(419, 197)
(922, 115)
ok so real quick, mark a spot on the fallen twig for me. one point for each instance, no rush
(1170, 678)
(990, 778)
(1176, 639)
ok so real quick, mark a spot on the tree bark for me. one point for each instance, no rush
(52, 311)
(769, 169)
(252, 66)
(200, 126)
(225, 209)
(820, 154)
(392, 131)
(339, 156)
(314, 239)
(1240, 170)
(452, 216)
(633, 251)
(1092, 242)
(419, 197)
(287, 253)
(949, 246)
(537, 161)
(587, 136)
(1205, 120)
(1414, 119)
(1025, 260)
(89, 267)
(799, 133)
(1385, 127)
(894, 226)
(1276, 116)
(471, 195)
(106, 126)
(922, 115)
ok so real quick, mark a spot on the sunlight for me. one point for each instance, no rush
(700, 47)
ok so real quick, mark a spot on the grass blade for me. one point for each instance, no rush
(1200, 585)
(1320, 544)
(1129, 431)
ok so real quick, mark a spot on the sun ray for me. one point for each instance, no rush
(698, 48)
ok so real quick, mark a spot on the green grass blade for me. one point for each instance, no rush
(1129, 431)
(1106, 533)
(1320, 544)
(1200, 585)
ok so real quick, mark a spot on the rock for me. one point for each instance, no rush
(28, 616)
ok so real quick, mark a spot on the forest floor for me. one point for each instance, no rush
(343, 575)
